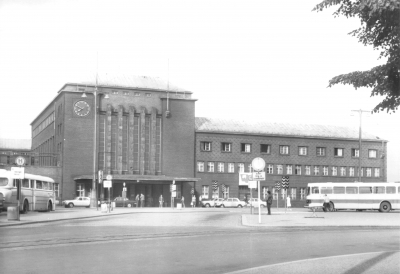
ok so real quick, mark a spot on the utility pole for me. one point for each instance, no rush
(360, 112)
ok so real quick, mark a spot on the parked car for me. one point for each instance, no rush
(254, 202)
(233, 202)
(211, 202)
(121, 202)
(78, 201)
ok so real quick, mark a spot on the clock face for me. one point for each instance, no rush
(81, 108)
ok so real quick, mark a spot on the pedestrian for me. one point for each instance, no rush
(288, 204)
(141, 199)
(269, 202)
(193, 201)
(161, 200)
(137, 200)
(183, 201)
(200, 201)
(326, 204)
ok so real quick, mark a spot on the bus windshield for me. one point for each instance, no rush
(3, 181)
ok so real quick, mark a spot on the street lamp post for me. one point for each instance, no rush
(360, 112)
(93, 200)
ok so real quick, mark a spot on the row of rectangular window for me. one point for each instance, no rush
(285, 150)
(308, 170)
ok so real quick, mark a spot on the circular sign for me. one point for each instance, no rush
(109, 177)
(20, 161)
(258, 164)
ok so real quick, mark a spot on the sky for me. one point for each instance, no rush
(242, 59)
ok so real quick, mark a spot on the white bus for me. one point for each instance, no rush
(37, 192)
(359, 196)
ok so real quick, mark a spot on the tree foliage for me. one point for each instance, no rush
(380, 27)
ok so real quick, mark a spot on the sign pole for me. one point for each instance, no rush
(259, 203)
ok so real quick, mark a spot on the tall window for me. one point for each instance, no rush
(231, 167)
(221, 167)
(355, 152)
(279, 169)
(275, 193)
(225, 193)
(226, 147)
(200, 166)
(264, 192)
(377, 171)
(270, 169)
(292, 193)
(342, 171)
(80, 188)
(338, 152)
(325, 171)
(334, 171)
(289, 169)
(297, 170)
(321, 151)
(351, 171)
(215, 194)
(210, 167)
(369, 171)
(303, 193)
(205, 146)
(205, 192)
(316, 170)
(246, 148)
(308, 170)
(241, 167)
(302, 151)
(372, 153)
(265, 149)
(284, 150)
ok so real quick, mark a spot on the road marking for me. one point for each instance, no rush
(250, 270)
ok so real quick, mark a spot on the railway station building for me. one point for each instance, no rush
(143, 132)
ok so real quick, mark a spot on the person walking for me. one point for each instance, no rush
(141, 199)
(183, 201)
(269, 202)
(288, 204)
(200, 201)
(137, 200)
(326, 204)
(161, 201)
(193, 201)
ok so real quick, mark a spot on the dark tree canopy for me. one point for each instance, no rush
(380, 27)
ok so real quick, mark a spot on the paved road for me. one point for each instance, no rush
(194, 242)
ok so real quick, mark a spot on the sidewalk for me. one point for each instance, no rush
(294, 218)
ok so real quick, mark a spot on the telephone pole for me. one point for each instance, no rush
(360, 112)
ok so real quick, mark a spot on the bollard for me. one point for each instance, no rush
(12, 213)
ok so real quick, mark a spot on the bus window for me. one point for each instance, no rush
(3, 181)
(338, 190)
(308, 191)
(315, 190)
(25, 183)
(45, 185)
(390, 190)
(379, 189)
(351, 190)
(39, 184)
(326, 190)
(365, 190)
(15, 182)
(50, 186)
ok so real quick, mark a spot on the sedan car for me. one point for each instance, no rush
(211, 202)
(254, 202)
(233, 202)
(124, 202)
(78, 201)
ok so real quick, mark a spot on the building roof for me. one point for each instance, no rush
(278, 129)
(15, 144)
(131, 81)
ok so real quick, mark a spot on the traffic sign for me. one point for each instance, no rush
(107, 183)
(20, 161)
(258, 164)
(18, 172)
(259, 176)
(109, 177)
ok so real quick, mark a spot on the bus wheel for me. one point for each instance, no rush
(49, 207)
(25, 208)
(385, 207)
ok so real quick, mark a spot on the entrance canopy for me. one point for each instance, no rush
(142, 178)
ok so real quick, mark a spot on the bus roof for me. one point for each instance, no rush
(7, 173)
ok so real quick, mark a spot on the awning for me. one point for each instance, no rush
(137, 177)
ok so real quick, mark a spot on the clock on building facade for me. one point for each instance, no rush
(81, 108)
